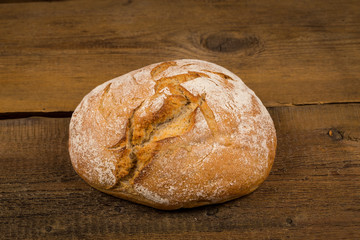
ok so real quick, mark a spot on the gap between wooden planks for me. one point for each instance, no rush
(312, 191)
(288, 52)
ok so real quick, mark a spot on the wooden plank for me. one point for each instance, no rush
(288, 52)
(311, 193)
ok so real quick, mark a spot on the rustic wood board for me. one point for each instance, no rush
(293, 54)
(290, 52)
(311, 193)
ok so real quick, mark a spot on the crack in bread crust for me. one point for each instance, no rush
(147, 127)
(101, 105)
(161, 68)
(223, 75)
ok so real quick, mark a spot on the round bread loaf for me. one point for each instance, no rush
(175, 134)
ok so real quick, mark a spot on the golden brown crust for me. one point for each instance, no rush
(175, 134)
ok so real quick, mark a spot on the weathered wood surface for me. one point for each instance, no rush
(290, 52)
(311, 193)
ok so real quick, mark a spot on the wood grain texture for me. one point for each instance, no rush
(289, 52)
(311, 193)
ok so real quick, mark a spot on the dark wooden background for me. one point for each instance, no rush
(302, 58)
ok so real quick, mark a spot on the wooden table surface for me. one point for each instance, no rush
(302, 58)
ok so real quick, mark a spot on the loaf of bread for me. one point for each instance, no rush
(176, 134)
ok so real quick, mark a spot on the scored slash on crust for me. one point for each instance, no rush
(146, 128)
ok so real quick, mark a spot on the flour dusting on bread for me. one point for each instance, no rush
(206, 136)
